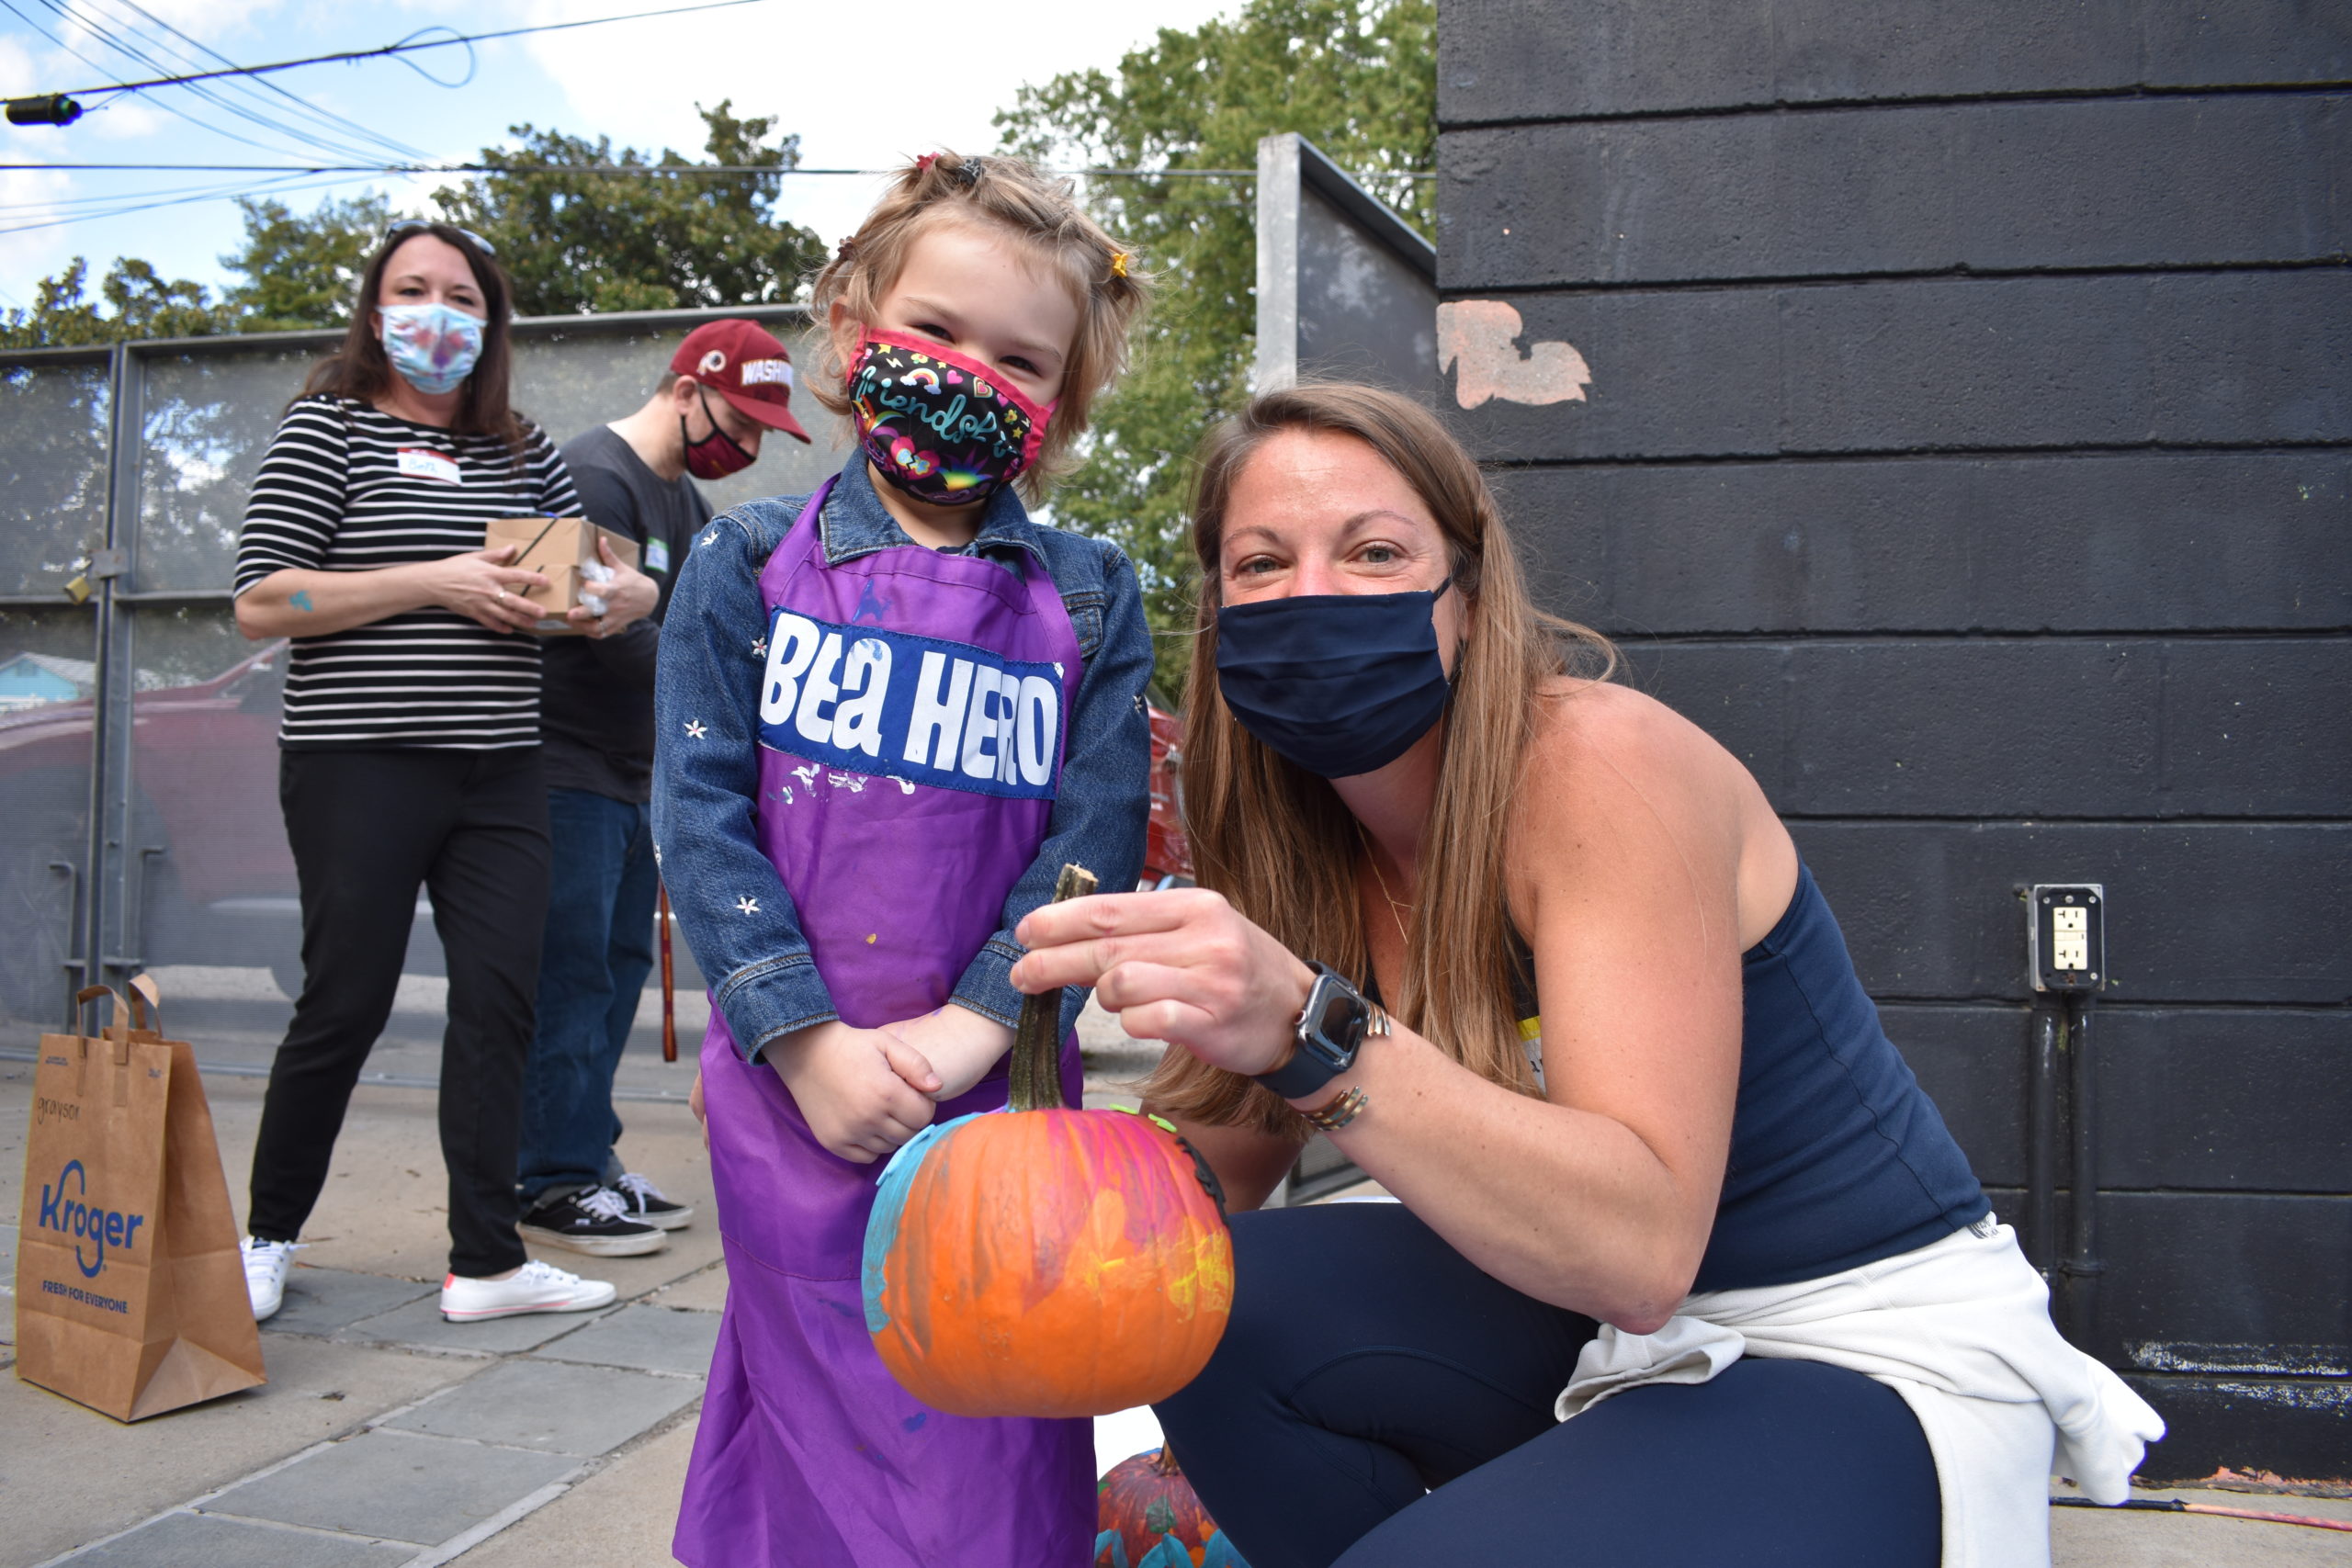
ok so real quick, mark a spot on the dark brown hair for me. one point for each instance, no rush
(359, 370)
(1279, 842)
(1040, 214)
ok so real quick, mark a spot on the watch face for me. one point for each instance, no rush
(1336, 1024)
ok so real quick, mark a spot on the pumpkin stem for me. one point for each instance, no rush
(1163, 1463)
(1038, 1038)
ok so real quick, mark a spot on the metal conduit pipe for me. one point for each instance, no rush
(2042, 1139)
(2082, 1265)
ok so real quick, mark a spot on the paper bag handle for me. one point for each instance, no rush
(143, 996)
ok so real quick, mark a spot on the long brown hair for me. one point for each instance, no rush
(1279, 842)
(1040, 214)
(357, 368)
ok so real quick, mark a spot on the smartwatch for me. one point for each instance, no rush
(1329, 1030)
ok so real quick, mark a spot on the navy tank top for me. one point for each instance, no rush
(1839, 1158)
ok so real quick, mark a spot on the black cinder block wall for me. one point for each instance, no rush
(1967, 447)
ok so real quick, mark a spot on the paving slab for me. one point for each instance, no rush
(2131, 1538)
(395, 1486)
(184, 1541)
(704, 1291)
(552, 1407)
(621, 1516)
(420, 1325)
(88, 1476)
(384, 1209)
(319, 1301)
(652, 1338)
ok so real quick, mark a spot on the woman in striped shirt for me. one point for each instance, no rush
(409, 742)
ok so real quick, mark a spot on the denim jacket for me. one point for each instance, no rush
(761, 975)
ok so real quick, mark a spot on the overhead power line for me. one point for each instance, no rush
(643, 169)
(406, 46)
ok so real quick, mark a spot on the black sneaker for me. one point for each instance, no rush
(642, 1202)
(593, 1221)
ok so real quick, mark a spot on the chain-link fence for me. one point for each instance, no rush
(137, 751)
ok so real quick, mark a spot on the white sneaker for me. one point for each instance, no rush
(266, 1266)
(643, 1202)
(535, 1287)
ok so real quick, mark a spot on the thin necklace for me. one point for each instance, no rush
(1395, 910)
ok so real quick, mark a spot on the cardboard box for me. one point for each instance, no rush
(559, 549)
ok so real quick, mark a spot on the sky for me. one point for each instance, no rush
(865, 85)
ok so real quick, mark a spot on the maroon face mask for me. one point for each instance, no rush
(715, 456)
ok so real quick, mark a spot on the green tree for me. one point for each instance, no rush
(577, 241)
(1356, 77)
(303, 271)
(134, 302)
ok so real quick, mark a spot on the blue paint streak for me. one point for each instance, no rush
(302, 601)
(889, 1206)
(914, 1421)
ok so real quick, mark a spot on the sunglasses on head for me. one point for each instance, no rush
(415, 225)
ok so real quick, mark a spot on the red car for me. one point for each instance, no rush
(1167, 853)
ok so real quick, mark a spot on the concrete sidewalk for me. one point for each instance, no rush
(386, 1436)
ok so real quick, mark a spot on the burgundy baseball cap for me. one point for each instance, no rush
(742, 362)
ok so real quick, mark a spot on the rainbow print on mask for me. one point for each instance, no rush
(934, 426)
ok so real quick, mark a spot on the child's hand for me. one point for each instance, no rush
(862, 1092)
(959, 1044)
(694, 1103)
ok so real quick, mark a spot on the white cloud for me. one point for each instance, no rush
(36, 253)
(844, 77)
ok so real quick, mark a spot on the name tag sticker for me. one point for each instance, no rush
(421, 463)
(657, 555)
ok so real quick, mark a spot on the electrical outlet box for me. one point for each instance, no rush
(2066, 935)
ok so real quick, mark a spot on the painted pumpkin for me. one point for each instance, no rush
(1149, 1518)
(1042, 1261)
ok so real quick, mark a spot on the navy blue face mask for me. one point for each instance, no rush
(1340, 684)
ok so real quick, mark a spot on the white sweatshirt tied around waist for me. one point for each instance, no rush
(1961, 1329)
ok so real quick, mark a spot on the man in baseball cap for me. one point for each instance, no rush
(728, 384)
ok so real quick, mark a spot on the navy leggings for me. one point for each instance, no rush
(1378, 1402)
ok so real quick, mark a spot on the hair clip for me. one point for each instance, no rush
(1118, 264)
(968, 173)
(923, 163)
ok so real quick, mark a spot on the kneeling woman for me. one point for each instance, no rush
(1686, 1269)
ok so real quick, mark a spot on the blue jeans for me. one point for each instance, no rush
(597, 952)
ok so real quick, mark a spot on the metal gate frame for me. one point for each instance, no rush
(106, 905)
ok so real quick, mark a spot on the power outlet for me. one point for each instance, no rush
(2066, 935)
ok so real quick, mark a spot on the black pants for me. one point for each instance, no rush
(1378, 1402)
(369, 828)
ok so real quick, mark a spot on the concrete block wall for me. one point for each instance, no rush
(1969, 447)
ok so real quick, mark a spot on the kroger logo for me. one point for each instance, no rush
(943, 714)
(92, 1229)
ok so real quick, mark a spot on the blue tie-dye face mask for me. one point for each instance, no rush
(434, 347)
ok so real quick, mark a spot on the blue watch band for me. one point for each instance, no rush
(1329, 1032)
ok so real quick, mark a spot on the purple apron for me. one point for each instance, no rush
(911, 724)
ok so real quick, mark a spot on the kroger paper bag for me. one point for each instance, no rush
(131, 1295)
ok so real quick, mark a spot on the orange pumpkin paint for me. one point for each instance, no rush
(1044, 1261)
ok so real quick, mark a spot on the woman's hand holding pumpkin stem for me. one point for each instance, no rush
(862, 1092)
(1182, 966)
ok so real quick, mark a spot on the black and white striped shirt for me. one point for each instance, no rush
(345, 487)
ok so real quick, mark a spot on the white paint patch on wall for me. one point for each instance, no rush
(1481, 336)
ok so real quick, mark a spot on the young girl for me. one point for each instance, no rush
(888, 715)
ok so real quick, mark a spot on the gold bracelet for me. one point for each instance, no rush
(1337, 1111)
